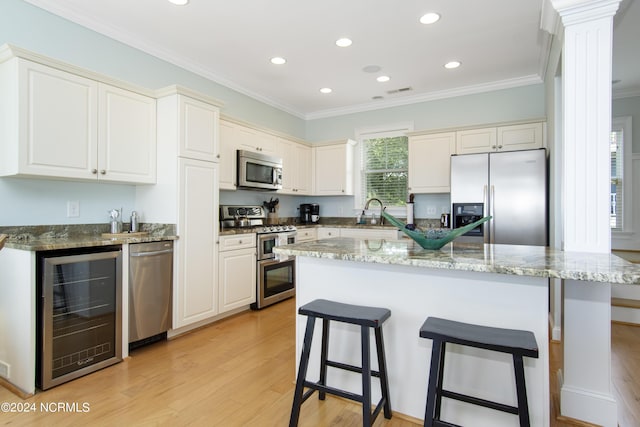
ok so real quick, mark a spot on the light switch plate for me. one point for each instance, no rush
(73, 209)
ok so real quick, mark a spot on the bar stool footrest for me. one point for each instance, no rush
(440, 423)
(481, 402)
(350, 368)
(312, 386)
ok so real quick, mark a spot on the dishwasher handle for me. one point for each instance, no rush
(151, 253)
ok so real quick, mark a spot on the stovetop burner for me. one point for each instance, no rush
(255, 215)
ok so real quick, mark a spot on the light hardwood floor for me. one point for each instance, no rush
(240, 372)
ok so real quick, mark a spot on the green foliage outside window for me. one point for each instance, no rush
(385, 169)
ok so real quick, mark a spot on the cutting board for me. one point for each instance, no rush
(125, 235)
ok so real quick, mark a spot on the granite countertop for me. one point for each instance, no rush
(517, 260)
(54, 237)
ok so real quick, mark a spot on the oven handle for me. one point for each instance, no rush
(269, 262)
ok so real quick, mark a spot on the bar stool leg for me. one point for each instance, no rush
(434, 380)
(443, 350)
(302, 372)
(382, 368)
(366, 376)
(523, 407)
(323, 357)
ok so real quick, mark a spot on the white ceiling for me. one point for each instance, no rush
(498, 42)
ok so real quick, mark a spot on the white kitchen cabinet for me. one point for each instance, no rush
(430, 162)
(196, 290)
(526, 136)
(198, 129)
(296, 167)
(236, 271)
(333, 169)
(255, 140)
(515, 137)
(228, 158)
(370, 233)
(306, 234)
(126, 136)
(328, 232)
(186, 194)
(476, 140)
(61, 125)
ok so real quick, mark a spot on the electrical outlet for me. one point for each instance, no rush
(431, 210)
(4, 370)
(73, 209)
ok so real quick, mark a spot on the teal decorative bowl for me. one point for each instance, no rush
(435, 240)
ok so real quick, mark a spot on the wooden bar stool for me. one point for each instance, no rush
(441, 331)
(366, 317)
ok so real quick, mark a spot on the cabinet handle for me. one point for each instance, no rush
(493, 146)
(499, 147)
(239, 242)
(217, 156)
(94, 171)
(103, 172)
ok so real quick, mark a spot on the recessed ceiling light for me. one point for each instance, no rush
(451, 65)
(383, 79)
(277, 60)
(371, 69)
(344, 42)
(326, 90)
(179, 2)
(430, 18)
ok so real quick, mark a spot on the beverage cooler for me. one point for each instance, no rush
(79, 314)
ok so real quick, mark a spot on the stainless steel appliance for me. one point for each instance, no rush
(275, 277)
(150, 283)
(309, 213)
(509, 186)
(79, 313)
(259, 171)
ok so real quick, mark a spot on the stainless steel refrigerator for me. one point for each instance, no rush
(511, 187)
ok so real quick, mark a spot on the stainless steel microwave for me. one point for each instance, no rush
(259, 171)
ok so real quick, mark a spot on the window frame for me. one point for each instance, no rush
(361, 134)
(625, 124)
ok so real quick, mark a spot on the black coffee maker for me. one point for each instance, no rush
(309, 213)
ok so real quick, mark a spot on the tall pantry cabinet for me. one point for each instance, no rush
(186, 194)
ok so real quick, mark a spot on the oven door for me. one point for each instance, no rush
(276, 281)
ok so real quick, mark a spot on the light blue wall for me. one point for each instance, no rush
(630, 107)
(522, 103)
(28, 202)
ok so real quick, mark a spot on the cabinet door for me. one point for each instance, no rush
(306, 234)
(333, 170)
(285, 150)
(126, 136)
(429, 162)
(237, 278)
(228, 158)
(195, 284)
(520, 137)
(303, 181)
(199, 129)
(254, 140)
(57, 134)
(476, 141)
(328, 232)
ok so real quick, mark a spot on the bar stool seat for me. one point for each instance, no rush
(518, 343)
(366, 318)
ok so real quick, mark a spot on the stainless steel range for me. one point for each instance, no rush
(276, 276)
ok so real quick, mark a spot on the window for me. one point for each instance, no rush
(620, 188)
(384, 167)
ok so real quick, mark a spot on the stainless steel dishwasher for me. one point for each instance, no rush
(150, 283)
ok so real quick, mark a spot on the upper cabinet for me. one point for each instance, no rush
(429, 162)
(333, 169)
(502, 138)
(296, 167)
(198, 129)
(255, 140)
(228, 158)
(61, 125)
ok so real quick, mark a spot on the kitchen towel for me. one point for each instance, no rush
(409, 213)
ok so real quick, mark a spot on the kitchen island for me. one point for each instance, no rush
(493, 285)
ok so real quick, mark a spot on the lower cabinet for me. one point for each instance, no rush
(328, 232)
(362, 233)
(306, 234)
(236, 271)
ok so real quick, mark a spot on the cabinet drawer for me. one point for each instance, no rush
(305, 235)
(241, 241)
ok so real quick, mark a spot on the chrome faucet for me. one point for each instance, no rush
(366, 207)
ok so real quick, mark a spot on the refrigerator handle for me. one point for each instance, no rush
(485, 227)
(492, 198)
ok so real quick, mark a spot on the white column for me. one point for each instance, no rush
(586, 390)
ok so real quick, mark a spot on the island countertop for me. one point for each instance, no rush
(537, 261)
